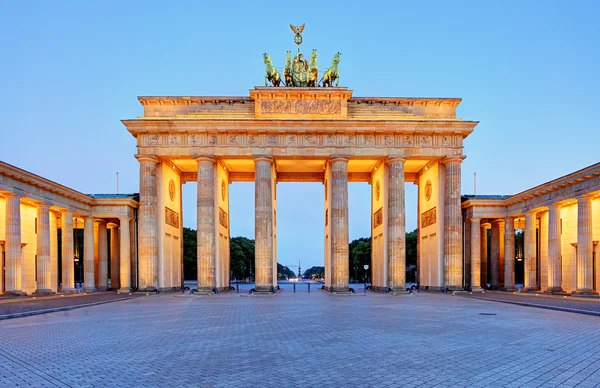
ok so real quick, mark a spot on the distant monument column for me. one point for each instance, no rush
(339, 225)
(124, 256)
(103, 256)
(554, 267)
(453, 265)
(263, 214)
(13, 254)
(206, 214)
(68, 266)
(88, 255)
(509, 254)
(530, 252)
(148, 224)
(396, 226)
(476, 254)
(43, 251)
(585, 247)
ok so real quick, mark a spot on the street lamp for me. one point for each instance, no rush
(366, 269)
(356, 273)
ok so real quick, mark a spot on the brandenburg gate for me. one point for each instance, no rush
(301, 134)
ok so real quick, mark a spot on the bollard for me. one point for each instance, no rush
(308, 287)
(237, 287)
(294, 287)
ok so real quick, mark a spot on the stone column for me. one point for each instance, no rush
(476, 254)
(206, 210)
(509, 254)
(88, 255)
(554, 251)
(115, 262)
(68, 266)
(102, 257)
(125, 256)
(148, 224)
(43, 251)
(13, 253)
(263, 215)
(585, 247)
(396, 228)
(484, 257)
(530, 252)
(453, 265)
(339, 225)
(495, 256)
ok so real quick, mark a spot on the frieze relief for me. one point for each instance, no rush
(302, 107)
(428, 218)
(378, 218)
(300, 139)
(223, 220)
(171, 217)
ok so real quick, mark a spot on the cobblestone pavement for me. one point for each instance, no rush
(28, 304)
(302, 339)
(590, 305)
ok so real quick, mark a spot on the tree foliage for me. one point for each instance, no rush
(317, 272)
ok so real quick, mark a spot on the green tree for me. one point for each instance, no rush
(318, 272)
(360, 255)
(284, 272)
(190, 254)
(411, 248)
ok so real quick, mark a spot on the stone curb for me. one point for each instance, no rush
(541, 306)
(58, 309)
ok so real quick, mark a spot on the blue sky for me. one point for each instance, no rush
(527, 70)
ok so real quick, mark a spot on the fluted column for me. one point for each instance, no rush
(396, 228)
(102, 256)
(484, 257)
(554, 250)
(206, 210)
(453, 265)
(115, 262)
(125, 256)
(339, 225)
(88, 255)
(148, 224)
(509, 254)
(263, 215)
(585, 247)
(495, 256)
(13, 253)
(43, 251)
(68, 266)
(530, 252)
(475, 254)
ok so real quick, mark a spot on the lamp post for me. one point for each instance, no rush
(356, 273)
(366, 269)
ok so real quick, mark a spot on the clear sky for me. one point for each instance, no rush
(527, 70)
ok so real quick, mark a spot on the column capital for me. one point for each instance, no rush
(475, 219)
(450, 159)
(205, 159)
(66, 212)
(124, 219)
(338, 159)
(584, 198)
(146, 158)
(395, 159)
(262, 159)
(10, 195)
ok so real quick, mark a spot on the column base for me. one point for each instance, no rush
(264, 290)
(43, 292)
(555, 291)
(90, 290)
(495, 287)
(166, 290)
(585, 291)
(509, 288)
(205, 291)
(530, 289)
(124, 290)
(398, 290)
(454, 288)
(340, 290)
(476, 289)
(68, 291)
(15, 293)
(147, 289)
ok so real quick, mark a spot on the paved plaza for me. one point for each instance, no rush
(301, 339)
